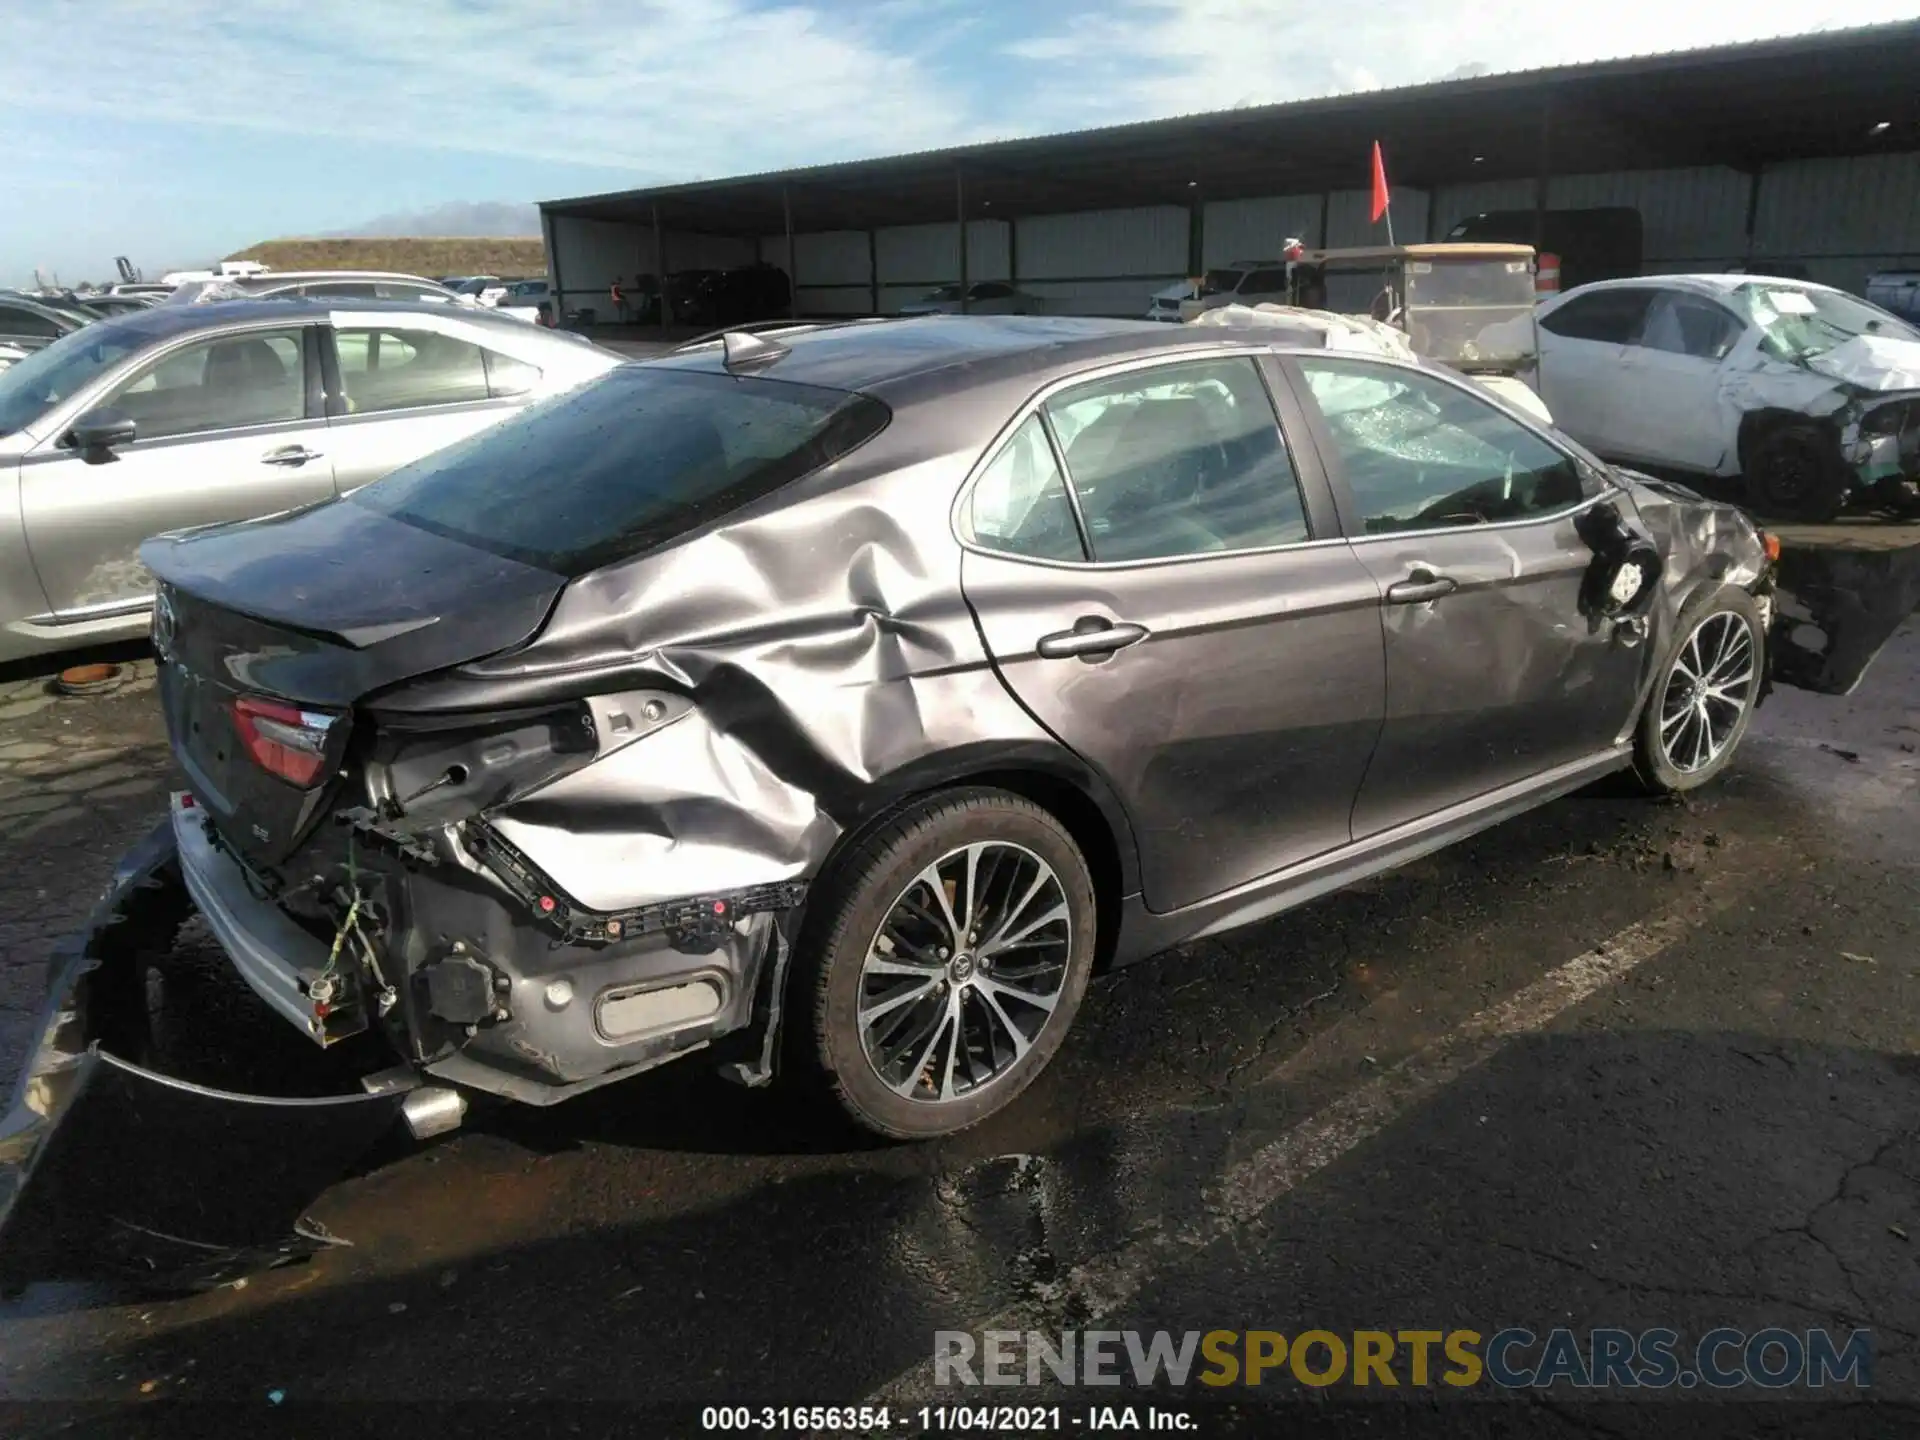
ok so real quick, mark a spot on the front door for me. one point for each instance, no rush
(224, 430)
(1466, 519)
(1669, 384)
(1174, 604)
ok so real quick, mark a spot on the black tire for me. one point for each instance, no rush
(1653, 765)
(1796, 473)
(843, 932)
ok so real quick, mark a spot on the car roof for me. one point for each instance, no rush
(160, 321)
(1702, 284)
(879, 355)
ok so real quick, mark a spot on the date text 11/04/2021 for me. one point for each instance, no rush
(939, 1419)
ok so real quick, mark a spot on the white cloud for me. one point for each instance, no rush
(666, 89)
(671, 89)
(1154, 58)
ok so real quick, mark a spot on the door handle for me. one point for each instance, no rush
(1420, 586)
(289, 455)
(1091, 636)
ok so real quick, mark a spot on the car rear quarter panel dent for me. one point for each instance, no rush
(833, 667)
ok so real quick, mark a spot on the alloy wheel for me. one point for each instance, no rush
(964, 971)
(1708, 689)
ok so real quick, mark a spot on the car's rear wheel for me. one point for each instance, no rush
(1795, 473)
(947, 957)
(1704, 694)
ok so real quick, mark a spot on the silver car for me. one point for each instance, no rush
(188, 415)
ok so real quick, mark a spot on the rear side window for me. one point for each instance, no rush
(407, 369)
(26, 322)
(1178, 459)
(1609, 317)
(628, 462)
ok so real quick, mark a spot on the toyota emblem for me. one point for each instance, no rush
(165, 627)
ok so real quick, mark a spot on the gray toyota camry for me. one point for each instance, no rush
(834, 701)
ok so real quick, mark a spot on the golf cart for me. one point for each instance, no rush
(1467, 306)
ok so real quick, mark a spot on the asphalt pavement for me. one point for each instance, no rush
(1616, 1063)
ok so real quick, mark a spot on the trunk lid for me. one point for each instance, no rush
(318, 608)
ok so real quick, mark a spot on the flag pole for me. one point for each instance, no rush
(1389, 221)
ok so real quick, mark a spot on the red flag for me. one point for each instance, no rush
(1379, 184)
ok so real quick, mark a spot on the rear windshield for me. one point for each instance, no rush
(625, 463)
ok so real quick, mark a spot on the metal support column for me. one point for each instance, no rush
(960, 219)
(1545, 170)
(1196, 239)
(873, 273)
(1326, 206)
(793, 265)
(1753, 208)
(660, 269)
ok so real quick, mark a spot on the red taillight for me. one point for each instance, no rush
(283, 739)
(1771, 542)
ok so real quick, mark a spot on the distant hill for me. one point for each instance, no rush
(457, 217)
(510, 256)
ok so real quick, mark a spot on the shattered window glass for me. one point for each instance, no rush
(1019, 504)
(1797, 324)
(1419, 453)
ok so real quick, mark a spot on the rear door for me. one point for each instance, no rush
(227, 428)
(399, 387)
(1583, 345)
(1669, 385)
(1466, 519)
(1160, 579)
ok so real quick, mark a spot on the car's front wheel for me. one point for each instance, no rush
(1704, 693)
(947, 957)
(1797, 474)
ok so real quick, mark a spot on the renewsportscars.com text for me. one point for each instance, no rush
(1512, 1358)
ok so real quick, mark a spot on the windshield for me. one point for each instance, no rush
(1796, 324)
(945, 292)
(1475, 314)
(623, 464)
(31, 387)
(1220, 282)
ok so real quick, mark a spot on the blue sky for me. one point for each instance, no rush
(175, 131)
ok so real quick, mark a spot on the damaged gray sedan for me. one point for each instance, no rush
(835, 702)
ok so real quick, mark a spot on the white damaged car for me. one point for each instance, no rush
(1809, 393)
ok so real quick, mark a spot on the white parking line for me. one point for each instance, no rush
(1107, 1282)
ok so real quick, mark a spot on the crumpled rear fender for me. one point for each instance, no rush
(111, 1170)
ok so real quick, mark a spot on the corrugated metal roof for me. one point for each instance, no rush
(1741, 104)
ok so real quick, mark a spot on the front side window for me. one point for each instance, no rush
(1606, 317)
(224, 384)
(1419, 453)
(403, 290)
(1019, 504)
(1684, 325)
(1179, 460)
(624, 463)
(383, 369)
(31, 387)
(1265, 282)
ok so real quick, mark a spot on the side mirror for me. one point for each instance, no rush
(98, 433)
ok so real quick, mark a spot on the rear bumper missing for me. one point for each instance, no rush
(110, 1169)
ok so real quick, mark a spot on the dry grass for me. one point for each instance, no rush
(512, 258)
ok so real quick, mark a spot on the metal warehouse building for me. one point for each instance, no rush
(1804, 150)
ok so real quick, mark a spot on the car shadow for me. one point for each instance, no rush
(1637, 1179)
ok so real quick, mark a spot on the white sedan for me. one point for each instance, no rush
(986, 297)
(1809, 393)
